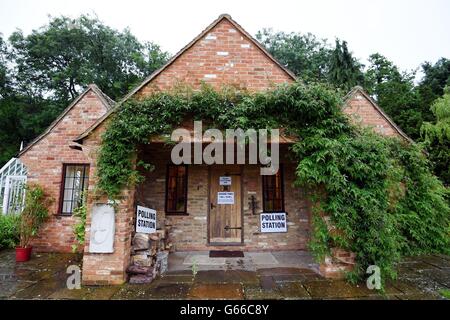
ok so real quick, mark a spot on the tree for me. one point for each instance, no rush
(431, 87)
(9, 134)
(395, 93)
(344, 70)
(437, 137)
(61, 58)
(4, 76)
(42, 72)
(303, 54)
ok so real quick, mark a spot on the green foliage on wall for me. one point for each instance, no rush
(378, 192)
(79, 229)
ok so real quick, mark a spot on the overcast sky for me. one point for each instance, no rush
(406, 31)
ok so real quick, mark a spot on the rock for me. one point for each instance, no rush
(154, 237)
(141, 241)
(140, 279)
(142, 260)
(148, 252)
(161, 233)
(161, 261)
(155, 271)
(134, 269)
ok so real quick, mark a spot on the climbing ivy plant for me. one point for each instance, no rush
(373, 195)
(79, 229)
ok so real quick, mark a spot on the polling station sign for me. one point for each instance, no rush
(273, 222)
(145, 220)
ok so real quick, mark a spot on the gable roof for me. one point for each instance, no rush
(105, 100)
(359, 90)
(177, 55)
(200, 36)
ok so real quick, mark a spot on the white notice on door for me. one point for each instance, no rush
(225, 197)
(225, 181)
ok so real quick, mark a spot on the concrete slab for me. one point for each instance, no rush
(294, 290)
(203, 260)
(337, 289)
(267, 283)
(66, 294)
(226, 276)
(102, 293)
(436, 261)
(256, 292)
(251, 261)
(177, 278)
(171, 291)
(251, 277)
(228, 291)
(261, 258)
(133, 292)
(41, 290)
(421, 296)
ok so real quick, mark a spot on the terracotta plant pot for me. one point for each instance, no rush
(23, 254)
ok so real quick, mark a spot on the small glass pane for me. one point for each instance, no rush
(75, 182)
(176, 189)
(273, 193)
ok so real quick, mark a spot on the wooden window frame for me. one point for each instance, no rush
(176, 213)
(281, 171)
(63, 185)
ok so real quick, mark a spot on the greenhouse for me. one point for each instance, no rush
(13, 176)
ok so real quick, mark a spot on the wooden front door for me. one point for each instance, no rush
(225, 207)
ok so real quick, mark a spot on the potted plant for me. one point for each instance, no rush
(32, 217)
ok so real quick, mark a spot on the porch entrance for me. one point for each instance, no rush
(225, 205)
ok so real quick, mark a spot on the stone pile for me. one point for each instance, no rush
(149, 254)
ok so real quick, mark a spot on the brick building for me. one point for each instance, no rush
(63, 161)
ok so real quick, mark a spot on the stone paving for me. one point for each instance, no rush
(44, 277)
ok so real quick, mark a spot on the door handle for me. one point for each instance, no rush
(212, 206)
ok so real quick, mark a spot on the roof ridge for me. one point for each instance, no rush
(197, 38)
(175, 57)
(103, 98)
(107, 100)
(361, 90)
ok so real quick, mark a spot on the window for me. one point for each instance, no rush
(273, 192)
(176, 189)
(75, 181)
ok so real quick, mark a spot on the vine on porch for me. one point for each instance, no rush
(379, 192)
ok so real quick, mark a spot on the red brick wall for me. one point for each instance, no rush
(107, 268)
(223, 56)
(44, 162)
(190, 232)
(362, 112)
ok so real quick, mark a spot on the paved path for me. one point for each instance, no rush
(44, 277)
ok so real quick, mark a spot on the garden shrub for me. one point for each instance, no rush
(34, 214)
(9, 230)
